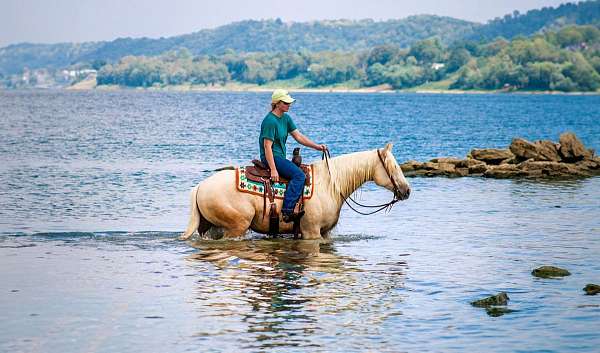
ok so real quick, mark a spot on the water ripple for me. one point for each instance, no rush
(95, 188)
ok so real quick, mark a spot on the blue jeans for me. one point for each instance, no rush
(295, 187)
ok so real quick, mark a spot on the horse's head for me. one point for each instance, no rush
(388, 174)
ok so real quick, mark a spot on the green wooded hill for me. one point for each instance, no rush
(539, 20)
(245, 36)
(566, 60)
(275, 36)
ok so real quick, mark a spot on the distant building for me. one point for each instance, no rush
(75, 73)
(578, 46)
(437, 66)
(26, 75)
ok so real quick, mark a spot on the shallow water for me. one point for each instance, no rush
(94, 189)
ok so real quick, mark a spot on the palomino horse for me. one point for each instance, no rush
(216, 202)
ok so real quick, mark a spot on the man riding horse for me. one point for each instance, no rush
(274, 131)
(232, 201)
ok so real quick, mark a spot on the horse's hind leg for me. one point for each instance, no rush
(204, 226)
(236, 230)
(235, 221)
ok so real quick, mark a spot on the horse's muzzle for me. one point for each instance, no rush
(403, 195)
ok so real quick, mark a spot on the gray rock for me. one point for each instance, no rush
(418, 172)
(468, 163)
(435, 172)
(473, 166)
(513, 160)
(547, 169)
(503, 171)
(590, 165)
(498, 299)
(539, 151)
(446, 167)
(439, 169)
(478, 169)
(550, 272)
(524, 159)
(571, 148)
(461, 172)
(591, 289)
(429, 166)
(410, 166)
(491, 155)
(546, 151)
(523, 149)
(450, 160)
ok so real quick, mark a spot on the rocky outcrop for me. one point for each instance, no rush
(523, 159)
(498, 299)
(539, 151)
(591, 289)
(494, 305)
(523, 149)
(504, 171)
(491, 155)
(548, 169)
(473, 166)
(547, 150)
(550, 272)
(571, 149)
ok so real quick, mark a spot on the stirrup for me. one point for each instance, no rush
(291, 217)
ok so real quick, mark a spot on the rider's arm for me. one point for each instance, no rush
(268, 144)
(304, 140)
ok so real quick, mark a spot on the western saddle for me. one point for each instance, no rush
(261, 173)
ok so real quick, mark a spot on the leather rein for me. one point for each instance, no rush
(386, 206)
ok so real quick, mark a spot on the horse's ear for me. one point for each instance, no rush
(388, 147)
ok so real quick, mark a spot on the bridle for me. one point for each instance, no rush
(386, 206)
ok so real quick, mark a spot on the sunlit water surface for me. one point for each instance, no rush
(94, 190)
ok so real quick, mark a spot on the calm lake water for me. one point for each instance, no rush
(94, 189)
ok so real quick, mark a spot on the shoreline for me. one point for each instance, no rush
(89, 86)
(329, 90)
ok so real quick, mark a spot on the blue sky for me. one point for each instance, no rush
(42, 21)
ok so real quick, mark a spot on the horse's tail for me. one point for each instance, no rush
(197, 221)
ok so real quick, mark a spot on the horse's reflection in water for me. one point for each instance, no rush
(314, 255)
(274, 289)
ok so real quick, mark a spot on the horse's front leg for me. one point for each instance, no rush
(310, 230)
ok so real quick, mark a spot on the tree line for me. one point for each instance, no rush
(274, 35)
(516, 24)
(565, 60)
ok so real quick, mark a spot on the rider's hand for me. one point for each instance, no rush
(322, 148)
(274, 175)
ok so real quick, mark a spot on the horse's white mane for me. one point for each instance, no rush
(348, 172)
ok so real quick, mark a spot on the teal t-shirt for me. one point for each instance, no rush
(275, 129)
